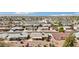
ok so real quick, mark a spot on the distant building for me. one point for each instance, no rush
(38, 36)
(3, 36)
(17, 36)
(17, 28)
(76, 27)
(76, 35)
(68, 28)
(43, 28)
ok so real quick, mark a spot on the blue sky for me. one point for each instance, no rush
(39, 13)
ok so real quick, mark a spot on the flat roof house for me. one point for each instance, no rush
(3, 35)
(43, 28)
(68, 28)
(46, 25)
(4, 28)
(17, 28)
(66, 23)
(76, 27)
(76, 35)
(17, 36)
(38, 36)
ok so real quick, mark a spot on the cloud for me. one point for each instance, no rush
(53, 14)
(65, 14)
(24, 13)
(61, 15)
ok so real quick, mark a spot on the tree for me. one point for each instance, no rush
(28, 37)
(56, 24)
(23, 18)
(60, 24)
(69, 41)
(61, 29)
(48, 39)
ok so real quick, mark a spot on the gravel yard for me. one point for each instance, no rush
(29, 43)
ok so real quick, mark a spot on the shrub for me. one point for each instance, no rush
(61, 29)
(69, 41)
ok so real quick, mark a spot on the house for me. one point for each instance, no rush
(17, 36)
(67, 28)
(31, 28)
(14, 30)
(28, 31)
(28, 25)
(36, 25)
(76, 27)
(76, 35)
(60, 36)
(39, 36)
(10, 31)
(46, 25)
(43, 28)
(53, 30)
(66, 23)
(3, 35)
(24, 35)
(32, 22)
(75, 22)
(48, 31)
(17, 28)
(4, 28)
(13, 36)
(45, 36)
